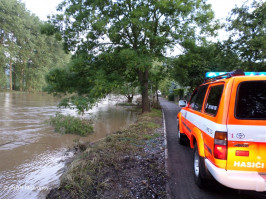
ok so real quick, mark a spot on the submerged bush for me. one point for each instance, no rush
(71, 125)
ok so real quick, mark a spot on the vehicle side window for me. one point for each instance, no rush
(197, 98)
(213, 100)
(251, 100)
(193, 98)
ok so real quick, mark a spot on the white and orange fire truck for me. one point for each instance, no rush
(225, 122)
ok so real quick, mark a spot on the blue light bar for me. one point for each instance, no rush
(214, 74)
(255, 73)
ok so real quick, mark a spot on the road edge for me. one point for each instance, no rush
(168, 196)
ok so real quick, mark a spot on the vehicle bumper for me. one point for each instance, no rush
(238, 179)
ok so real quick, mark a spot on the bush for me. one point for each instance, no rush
(171, 97)
(179, 93)
(71, 125)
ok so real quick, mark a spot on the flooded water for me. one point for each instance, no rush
(32, 155)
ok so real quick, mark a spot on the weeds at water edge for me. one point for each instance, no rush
(71, 125)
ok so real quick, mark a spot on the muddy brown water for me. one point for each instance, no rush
(32, 155)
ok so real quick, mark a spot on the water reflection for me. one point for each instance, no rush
(31, 154)
(7, 100)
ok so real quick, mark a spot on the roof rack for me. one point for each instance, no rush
(238, 72)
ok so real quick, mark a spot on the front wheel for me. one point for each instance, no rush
(199, 168)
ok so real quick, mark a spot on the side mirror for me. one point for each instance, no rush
(182, 103)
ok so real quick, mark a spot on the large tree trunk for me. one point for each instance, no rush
(10, 75)
(144, 84)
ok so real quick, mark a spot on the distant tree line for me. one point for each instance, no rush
(26, 55)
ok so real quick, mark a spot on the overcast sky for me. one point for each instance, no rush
(42, 8)
(221, 8)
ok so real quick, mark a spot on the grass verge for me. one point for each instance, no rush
(127, 164)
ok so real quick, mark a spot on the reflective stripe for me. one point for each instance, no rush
(235, 132)
(205, 125)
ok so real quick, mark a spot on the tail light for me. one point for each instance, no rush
(220, 145)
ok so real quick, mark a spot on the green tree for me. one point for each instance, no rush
(158, 73)
(3, 77)
(164, 86)
(138, 31)
(189, 69)
(247, 27)
(128, 81)
(10, 12)
(24, 50)
(128, 89)
(91, 78)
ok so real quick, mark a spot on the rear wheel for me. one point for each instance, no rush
(199, 168)
(181, 136)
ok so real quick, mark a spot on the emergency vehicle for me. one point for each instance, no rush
(225, 122)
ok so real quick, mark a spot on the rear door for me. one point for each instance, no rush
(247, 126)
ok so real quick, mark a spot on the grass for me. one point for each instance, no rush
(71, 125)
(150, 137)
(102, 170)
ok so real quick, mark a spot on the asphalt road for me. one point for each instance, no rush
(179, 164)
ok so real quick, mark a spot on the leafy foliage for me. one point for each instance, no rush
(87, 78)
(189, 69)
(244, 49)
(164, 86)
(128, 89)
(23, 50)
(116, 40)
(158, 73)
(247, 26)
(179, 92)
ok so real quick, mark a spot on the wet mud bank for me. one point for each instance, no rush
(127, 164)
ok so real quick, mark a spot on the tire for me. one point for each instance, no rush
(181, 136)
(199, 168)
